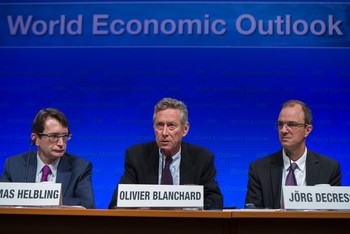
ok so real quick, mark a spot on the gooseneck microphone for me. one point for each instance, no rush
(163, 164)
(288, 155)
(163, 156)
(32, 143)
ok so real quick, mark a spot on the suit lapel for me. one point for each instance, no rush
(31, 167)
(186, 165)
(64, 171)
(276, 178)
(312, 169)
(152, 160)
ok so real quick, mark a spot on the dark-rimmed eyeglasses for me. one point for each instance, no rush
(290, 124)
(55, 137)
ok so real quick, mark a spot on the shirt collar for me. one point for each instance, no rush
(301, 162)
(175, 157)
(52, 166)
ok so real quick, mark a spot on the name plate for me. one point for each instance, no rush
(316, 197)
(160, 196)
(30, 194)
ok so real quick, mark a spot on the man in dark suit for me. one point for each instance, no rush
(50, 134)
(190, 164)
(268, 174)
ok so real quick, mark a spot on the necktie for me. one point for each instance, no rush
(290, 179)
(166, 174)
(45, 172)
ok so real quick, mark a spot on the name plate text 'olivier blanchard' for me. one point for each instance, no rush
(169, 196)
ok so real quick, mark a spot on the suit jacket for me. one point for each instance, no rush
(72, 172)
(265, 177)
(196, 167)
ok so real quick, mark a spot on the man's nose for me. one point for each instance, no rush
(284, 129)
(60, 141)
(165, 130)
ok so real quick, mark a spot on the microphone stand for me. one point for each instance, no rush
(28, 159)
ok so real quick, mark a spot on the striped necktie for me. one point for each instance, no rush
(166, 174)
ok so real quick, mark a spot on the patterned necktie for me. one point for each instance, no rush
(45, 172)
(290, 179)
(166, 174)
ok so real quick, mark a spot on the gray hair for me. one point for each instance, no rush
(171, 103)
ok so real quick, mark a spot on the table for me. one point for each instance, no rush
(288, 222)
(64, 220)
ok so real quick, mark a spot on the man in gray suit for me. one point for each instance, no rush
(190, 164)
(50, 133)
(268, 174)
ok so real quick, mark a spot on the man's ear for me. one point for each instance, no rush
(34, 137)
(186, 129)
(308, 130)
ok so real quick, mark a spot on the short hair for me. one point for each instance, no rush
(305, 108)
(39, 120)
(171, 103)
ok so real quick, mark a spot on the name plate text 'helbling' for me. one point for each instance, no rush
(316, 197)
(160, 196)
(30, 194)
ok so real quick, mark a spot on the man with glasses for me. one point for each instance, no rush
(294, 164)
(50, 133)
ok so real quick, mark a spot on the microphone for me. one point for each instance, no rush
(163, 164)
(287, 153)
(162, 152)
(32, 143)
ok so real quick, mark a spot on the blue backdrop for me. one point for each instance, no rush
(233, 84)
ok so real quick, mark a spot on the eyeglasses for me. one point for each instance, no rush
(54, 137)
(291, 124)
